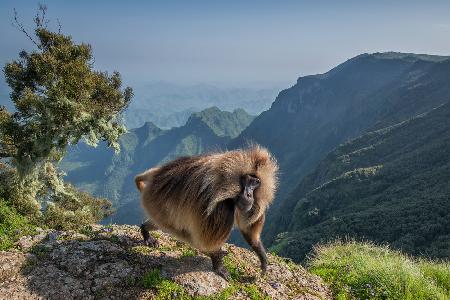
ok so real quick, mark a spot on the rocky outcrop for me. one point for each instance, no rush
(112, 263)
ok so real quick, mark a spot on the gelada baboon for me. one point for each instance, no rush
(198, 199)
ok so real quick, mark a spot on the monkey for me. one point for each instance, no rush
(198, 200)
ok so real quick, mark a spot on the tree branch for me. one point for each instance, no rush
(20, 27)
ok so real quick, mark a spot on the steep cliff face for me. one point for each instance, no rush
(322, 111)
(389, 185)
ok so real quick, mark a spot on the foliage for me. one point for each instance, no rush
(390, 185)
(12, 226)
(75, 209)
(59, 100)
(20, 194)
(365, 271)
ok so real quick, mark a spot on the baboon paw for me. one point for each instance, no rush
(151, 243)
(263, 270)
(223, 253)
(223, 272)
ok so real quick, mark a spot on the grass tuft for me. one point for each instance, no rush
(188, 252)
(366, 271)
(232, 266)
(152, 279)
(165, 289)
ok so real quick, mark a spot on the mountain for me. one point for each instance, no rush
(389, 186)
(170, 105)
(110, 175)
(320, 112)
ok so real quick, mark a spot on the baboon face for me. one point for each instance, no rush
(245, 200)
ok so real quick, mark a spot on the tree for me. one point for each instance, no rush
(59, 100)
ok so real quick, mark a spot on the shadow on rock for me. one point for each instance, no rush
(110, 264)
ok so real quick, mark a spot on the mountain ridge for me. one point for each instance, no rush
(376, 187)
(319, 112)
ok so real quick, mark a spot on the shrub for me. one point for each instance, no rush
(12, 226)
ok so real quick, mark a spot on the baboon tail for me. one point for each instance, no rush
(140, 183)
(142, 180)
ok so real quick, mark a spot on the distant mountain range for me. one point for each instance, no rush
(105, 174)
(170, 105)
(363, 151)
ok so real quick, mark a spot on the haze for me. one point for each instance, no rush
(231, 42)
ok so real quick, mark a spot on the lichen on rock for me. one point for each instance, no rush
(111, 263)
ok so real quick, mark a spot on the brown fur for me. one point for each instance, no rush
(192, 197)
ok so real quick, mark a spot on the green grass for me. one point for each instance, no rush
(188, 252)
(12, 226)
(253, 292)
(151, 279)
(232, 266)
(366, 271)
(166, 289)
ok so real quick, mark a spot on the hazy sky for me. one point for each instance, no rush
(234, 42)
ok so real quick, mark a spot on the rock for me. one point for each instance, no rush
(112, 263)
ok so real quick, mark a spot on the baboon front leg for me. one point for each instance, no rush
(149, 240)
(217, 262)
(258, 247)
(252, 235)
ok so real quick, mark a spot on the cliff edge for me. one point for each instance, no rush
(110, 262)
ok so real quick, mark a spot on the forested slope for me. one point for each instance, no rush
(388, 186)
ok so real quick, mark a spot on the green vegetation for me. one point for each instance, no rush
(188, 252)
(253, 292)
(223, 123)
(167, 289)
(233, 267)
(151, 279)
(59, 100)
(12, 226)
(388, 186)
(365, 271)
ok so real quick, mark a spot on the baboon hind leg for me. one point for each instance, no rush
(217, 262)
(146, 227)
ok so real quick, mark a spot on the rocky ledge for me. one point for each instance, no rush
(110, 262)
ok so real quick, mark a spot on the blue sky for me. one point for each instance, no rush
(234, 43)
